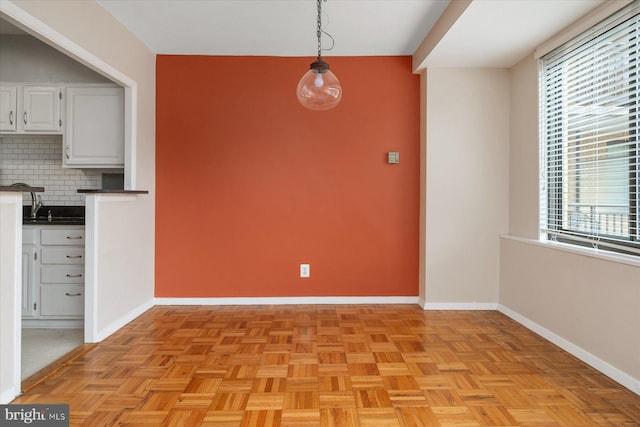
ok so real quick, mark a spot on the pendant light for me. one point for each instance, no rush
(319, 89)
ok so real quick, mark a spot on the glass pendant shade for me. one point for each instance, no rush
(319, 89)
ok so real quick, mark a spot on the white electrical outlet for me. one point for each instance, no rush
(305, 270)
(393, 157)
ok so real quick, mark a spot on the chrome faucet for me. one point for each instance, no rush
(36, 201)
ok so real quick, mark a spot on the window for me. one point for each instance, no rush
(590, 111)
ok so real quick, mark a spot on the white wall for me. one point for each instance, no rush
(422, 272)
(26, 59)
(114, 281)
(10, 285)
(129, 276)
(591, 304)
(524, 206)
(467, 150)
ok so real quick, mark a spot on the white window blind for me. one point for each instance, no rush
(590, 110)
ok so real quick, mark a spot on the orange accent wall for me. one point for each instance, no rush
(249, 184)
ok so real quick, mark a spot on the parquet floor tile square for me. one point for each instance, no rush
(378, 417)
(331, 366)
(337, 399)
(335, 383)
(300, 417)
(339, 417)
(308, 399)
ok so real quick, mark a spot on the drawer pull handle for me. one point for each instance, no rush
(24, 117)
(74, 275)
(74, 256)
(11, 117)
(74, 237)
(73, 295)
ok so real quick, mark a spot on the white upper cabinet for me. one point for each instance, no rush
(30, 109)
(94, 129)
(8, 108)
(41, 109)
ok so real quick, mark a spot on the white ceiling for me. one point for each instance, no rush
(277, 27)
(499, 33)
(490, 33)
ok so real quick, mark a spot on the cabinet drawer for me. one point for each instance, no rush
(62, 300)
(69, 237)
(70, 255)
(62, 274)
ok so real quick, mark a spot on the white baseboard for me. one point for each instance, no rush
(123, 320)
(286, 300)
(612, 372)
(460, 306)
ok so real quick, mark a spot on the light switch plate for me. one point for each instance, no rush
(393, 157)
(305, 270)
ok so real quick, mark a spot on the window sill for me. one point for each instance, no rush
(577, 250)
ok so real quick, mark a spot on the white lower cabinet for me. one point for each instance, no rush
(53, 275)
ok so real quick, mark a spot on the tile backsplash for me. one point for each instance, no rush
(37, 160)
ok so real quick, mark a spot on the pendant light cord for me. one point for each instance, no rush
(320, 31)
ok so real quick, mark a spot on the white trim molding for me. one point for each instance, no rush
(632, 260)
(469, 306)
(122, 321)
(287, 300)
(612, 372)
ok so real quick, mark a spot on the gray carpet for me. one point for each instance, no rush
(40, 347)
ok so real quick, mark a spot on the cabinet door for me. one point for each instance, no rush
(8, 108)
(41, 109)
(29, 295)
(94, 129)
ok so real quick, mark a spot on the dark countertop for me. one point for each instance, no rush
(54, 221)
(60, 215)
(27, 189)
(81, 191)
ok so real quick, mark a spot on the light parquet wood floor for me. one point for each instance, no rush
(332, 365)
